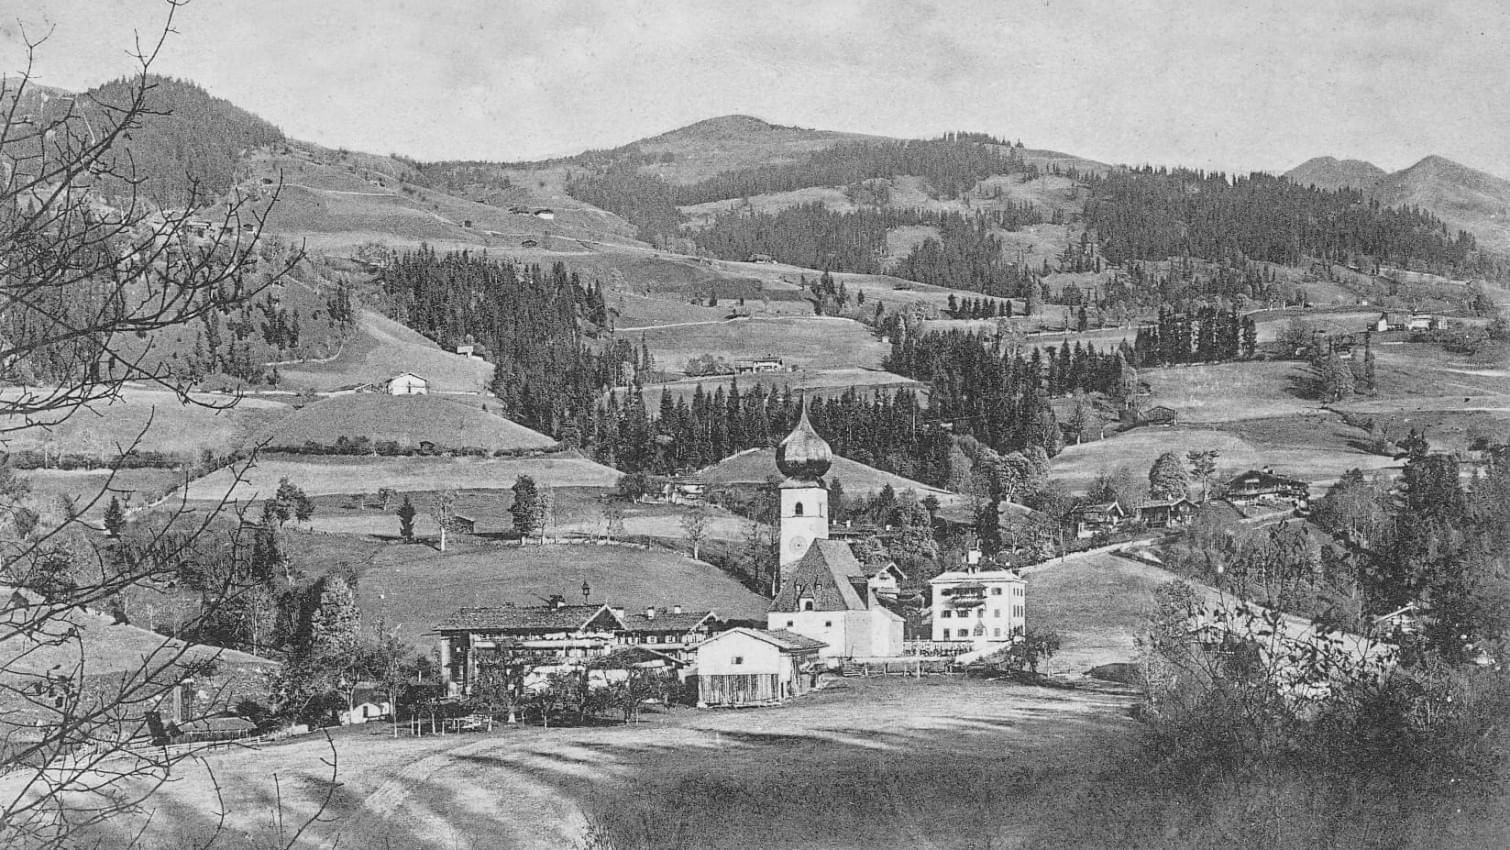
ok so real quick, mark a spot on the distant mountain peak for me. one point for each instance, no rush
(1329, 172)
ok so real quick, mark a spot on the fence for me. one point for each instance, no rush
(936, 648)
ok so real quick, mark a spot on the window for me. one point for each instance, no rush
(807, 604)
(789, 624)
(996, 633)
(828, 624)
(996, 612)
(797, 509)
(995, 591)
(739, 659)
(980, 613)
(945, 634)
(944, 614)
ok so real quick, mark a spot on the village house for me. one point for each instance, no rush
(549, 635)
(976, 605)
(368, 702)
(1264, 485)
(1390, 321)
(1166, 513)
(466, 349)
(1420, 322)
(824, 592)
(1090, 520)
(1158, 415)
(673, 632)
(744, 667)
(682, 491)
(406, 383)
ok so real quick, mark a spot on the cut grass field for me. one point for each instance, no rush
(413, 587)
(1098, 603)
(1229, 392)
(450, 421)
(810, 343)
(325, 475)
(874, 763)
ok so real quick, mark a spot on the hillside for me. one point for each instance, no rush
(1463, 197)
(452, 422)
(756, 466)
(415, 587)
(728, 143)
(1326, 172)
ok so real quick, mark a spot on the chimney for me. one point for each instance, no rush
(973, 557)
(676, 609)
(650, 612)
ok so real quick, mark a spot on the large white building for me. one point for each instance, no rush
(980, 606)
(824, 592)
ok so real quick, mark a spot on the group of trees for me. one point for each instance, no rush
(536, 323)
(996, 394)
(1205, 335)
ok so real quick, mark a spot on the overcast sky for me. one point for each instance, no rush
(1230, 84)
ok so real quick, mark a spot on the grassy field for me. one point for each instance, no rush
(452, 421)
(414, 587)
(894, 763)
(383, 348)
(1229, 392)
(326, 475)
(1097, 603)
(164, 423)
(133, 486)
(812, 343)
(1077, 466)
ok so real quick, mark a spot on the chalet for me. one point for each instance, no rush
(530, 243)
(683, 491)
(1158, 415)
(1090, 520)
(207, 729)
(466, 349)
(976, 605)
(1389, 321)
(546, 214)
(762, 258)
(552, 635)
(1260, 485)
(462, 524)
(1420, 322)
(744, 667)
(1166, 513)
(406, 383)
(886, 581)
(674, 632)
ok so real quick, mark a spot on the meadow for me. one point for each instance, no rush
(450, 421)
(810, 343)
(382, 348)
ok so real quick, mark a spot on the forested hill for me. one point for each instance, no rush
(191, 141)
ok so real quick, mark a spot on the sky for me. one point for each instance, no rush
(1235, 85)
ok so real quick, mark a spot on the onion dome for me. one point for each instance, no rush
(803, 455)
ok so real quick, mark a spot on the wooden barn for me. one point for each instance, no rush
(745, 667)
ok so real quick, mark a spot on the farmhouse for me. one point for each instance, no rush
(675, 632)
(1420, 322)
(980, 606)
(546, 214)
(1164, 513)
(1389, 321)
(1257, 485)
(759, 366)
(743, 667)
(545, 635)
(368, 702)
(406, 383)
(824, 592)
(1090, 520)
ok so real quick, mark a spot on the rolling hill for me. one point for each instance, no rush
(1326, 172)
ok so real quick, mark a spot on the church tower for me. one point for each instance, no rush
(803, 457)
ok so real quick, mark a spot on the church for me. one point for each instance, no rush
(824, 592)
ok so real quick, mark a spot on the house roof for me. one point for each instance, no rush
(1166, 503)
(666, 621)
(395, 377)
(780, 638)
(980, 576)
(1267, 477)
(566, 618)
(638, 656)
(1107, 508)
(827, 573)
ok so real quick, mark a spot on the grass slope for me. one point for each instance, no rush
(812, 343)
(383, 347)
(445, 421)
(164, 422)
(415, 587)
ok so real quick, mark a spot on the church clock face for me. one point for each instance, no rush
(797, 544)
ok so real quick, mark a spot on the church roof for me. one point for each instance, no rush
(830, 574)
(803, 456)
